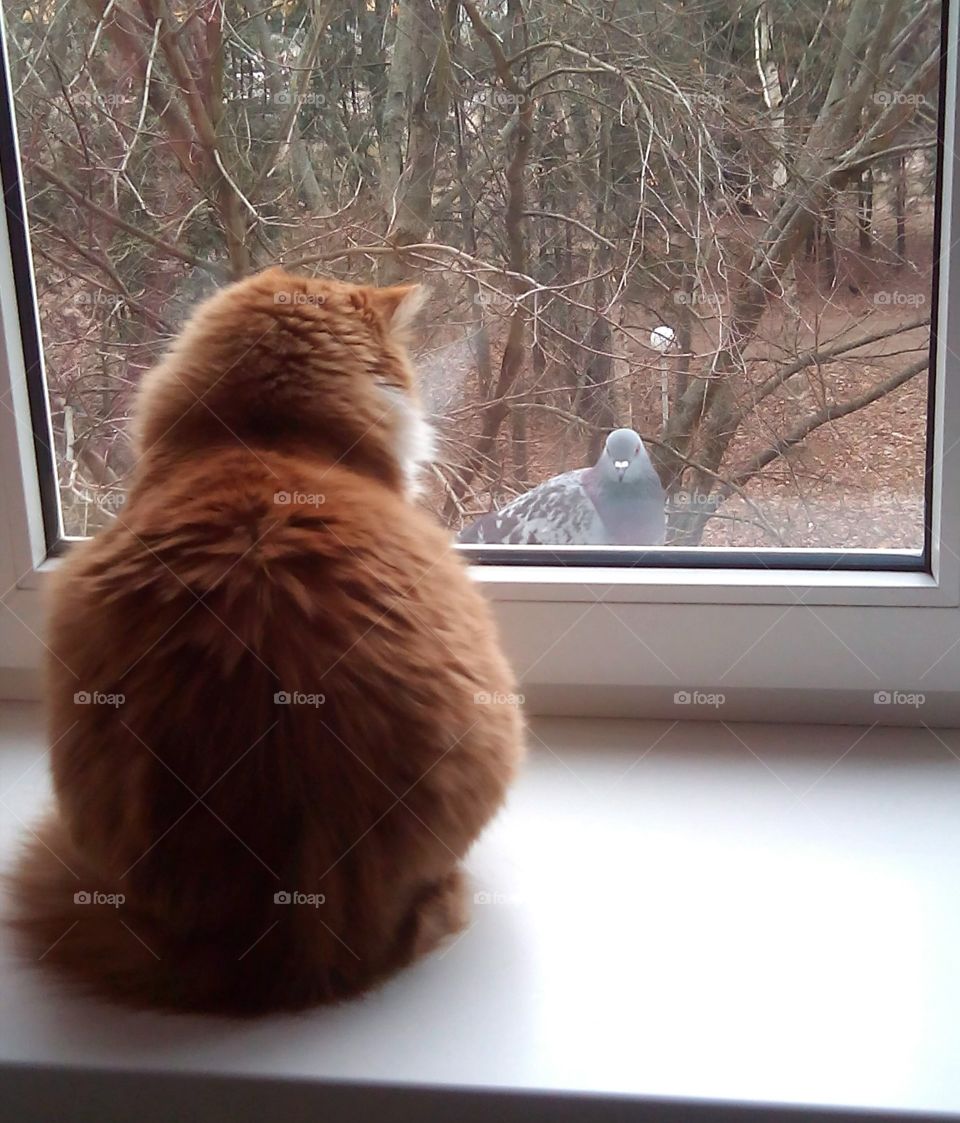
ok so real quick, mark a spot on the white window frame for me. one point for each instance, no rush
(814, 644)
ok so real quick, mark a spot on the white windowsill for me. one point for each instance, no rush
(690, 585)
(693, 911)
(683, 585)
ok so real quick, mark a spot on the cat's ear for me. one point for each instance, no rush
(399, 304)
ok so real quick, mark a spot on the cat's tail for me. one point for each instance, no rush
(66, 916)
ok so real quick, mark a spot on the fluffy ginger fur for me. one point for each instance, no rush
(268, 545)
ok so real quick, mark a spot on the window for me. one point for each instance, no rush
(713, 225)
(717, 225)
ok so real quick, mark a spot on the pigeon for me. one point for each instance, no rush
(617, 502)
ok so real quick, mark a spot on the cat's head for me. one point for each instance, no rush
(295, 363)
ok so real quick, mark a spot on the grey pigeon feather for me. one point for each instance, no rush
(619, 501)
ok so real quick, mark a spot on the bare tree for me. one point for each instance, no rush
(566, 176)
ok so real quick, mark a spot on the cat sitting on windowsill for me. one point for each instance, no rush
(279, 714)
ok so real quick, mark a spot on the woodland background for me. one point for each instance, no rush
(757, 175)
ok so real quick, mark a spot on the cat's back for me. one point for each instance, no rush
(246, 530)
(245, 570)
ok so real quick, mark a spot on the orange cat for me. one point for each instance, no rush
(279, 713)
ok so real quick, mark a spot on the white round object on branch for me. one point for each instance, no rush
(663, 338)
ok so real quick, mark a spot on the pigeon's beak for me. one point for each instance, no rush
(621, 466)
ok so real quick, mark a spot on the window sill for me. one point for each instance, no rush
(705, 585)
(691, 912)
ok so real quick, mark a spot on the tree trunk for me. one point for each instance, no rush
(415, 107)
(480, 335)
(304, 177)
(900, 205)
(865, 211)
(828, 228)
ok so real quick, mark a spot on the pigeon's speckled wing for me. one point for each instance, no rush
(557, 513)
